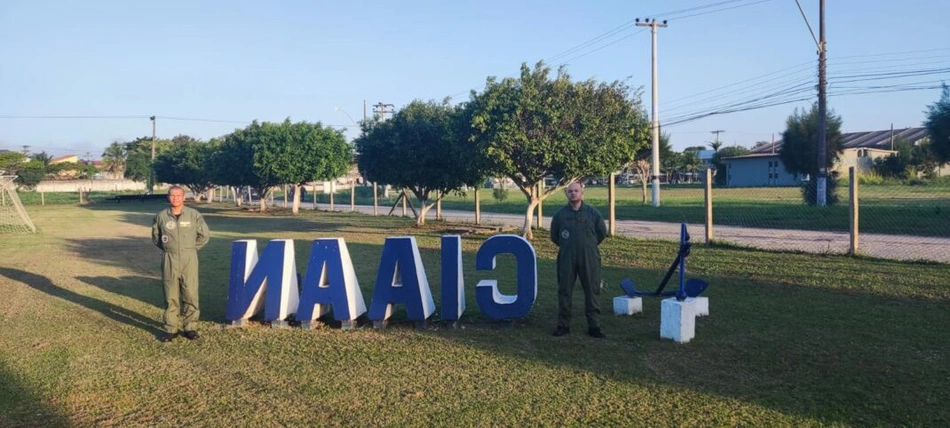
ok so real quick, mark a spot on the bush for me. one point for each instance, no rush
(870, 178)
(500, 194)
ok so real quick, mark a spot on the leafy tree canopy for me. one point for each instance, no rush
(938, 123)
(424, 148)
(535, 126)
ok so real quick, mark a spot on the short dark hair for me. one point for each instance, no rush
(176, 187)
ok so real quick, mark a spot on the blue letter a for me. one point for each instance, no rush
(330, 280)
(401, 279)
(271, 280)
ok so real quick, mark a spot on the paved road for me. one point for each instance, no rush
(895, 247)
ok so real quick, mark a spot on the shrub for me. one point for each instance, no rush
(499, 193)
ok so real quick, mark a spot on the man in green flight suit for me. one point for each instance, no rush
(577, 229)
(180, 232)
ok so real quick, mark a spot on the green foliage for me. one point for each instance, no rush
(139, 157)
(423, 148)
(186, 163)
(938, 123)
(799, 151)
(42, 157)
(71, 170)
(534, 126)
(296, 153)
(29, 174)
(10, 162)
(115, 157)
(720, 166)
(264, 155)
(499, 193)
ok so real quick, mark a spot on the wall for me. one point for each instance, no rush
(758, 171)
(93, 185)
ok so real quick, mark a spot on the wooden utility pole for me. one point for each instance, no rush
(151, 169)
(822, 106)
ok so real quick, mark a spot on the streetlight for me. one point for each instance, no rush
(347, 115)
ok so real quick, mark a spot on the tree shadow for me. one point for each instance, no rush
(116, 313)
(21, 406)
(804, 350)
(225, 219)
(145, 290)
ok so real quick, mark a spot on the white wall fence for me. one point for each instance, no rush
(51, 186)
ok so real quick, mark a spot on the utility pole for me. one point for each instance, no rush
(382, 109)
(655, 173)
(717, 132)
(151, 168)
(822, 94)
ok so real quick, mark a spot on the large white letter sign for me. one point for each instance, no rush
(453, 284)
(273, 277)
(493, 303)
(330, 280)
(401, 279)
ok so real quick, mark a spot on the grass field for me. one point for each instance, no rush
(888, 209)
(793, 339)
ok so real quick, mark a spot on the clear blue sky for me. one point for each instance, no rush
(235, 61)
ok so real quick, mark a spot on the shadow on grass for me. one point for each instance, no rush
(783, 339)
(838, 357)
(20, 406)
(116, 313)
(224, 219)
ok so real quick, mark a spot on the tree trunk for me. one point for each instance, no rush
(296, 208)
(643, 187)
(423, 210)
(532, 203)
(263, 200)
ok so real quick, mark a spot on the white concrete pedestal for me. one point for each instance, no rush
(678, 319)
(625, 305)
(702, 306)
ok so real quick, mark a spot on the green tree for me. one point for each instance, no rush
(10, 162)
(924, 159)
(43, 157)
(264, 155)
(114, 158)
(799, 151)
(642, 161)
(186, 163)
(30, 173)
(534, 126)
(423, 148)
(138, 162)
(899, 165)
(232, 164)
(938, 123)
(720, 166)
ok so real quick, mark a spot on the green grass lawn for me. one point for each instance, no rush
(888, 209)
(792, 340)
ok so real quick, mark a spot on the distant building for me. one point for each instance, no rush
(758, 170)
(859, 149)
(64, 159)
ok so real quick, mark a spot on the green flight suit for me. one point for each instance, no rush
(577, 235)
(180, 238)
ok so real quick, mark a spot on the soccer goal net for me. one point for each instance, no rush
(13, 218)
